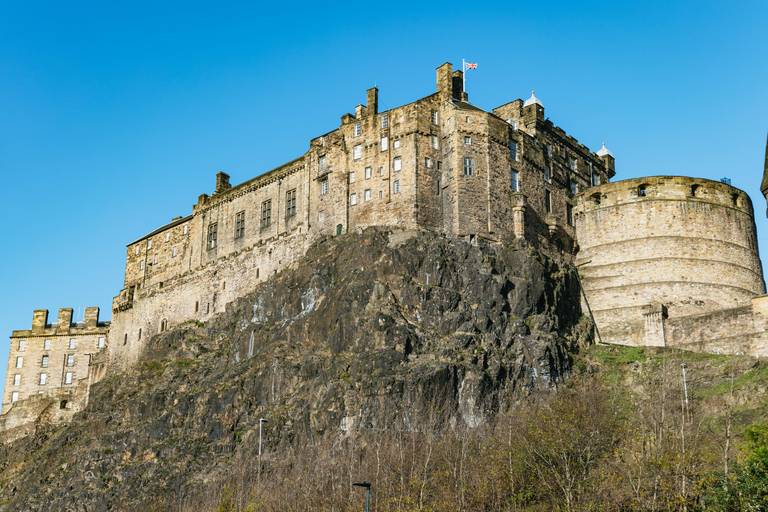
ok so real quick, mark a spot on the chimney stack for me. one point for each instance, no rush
(373, 101)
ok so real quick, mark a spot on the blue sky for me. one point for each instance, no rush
(115, 116)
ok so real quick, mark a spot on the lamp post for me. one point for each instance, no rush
(261, 420)
(367, 486)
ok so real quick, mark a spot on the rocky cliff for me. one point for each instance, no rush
(369, 331)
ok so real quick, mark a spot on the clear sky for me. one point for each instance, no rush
(115, 116)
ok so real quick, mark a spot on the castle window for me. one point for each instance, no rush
(595, 179)
(574, 187)
(167, 236)
(163, 325)
(321, 216)
(515, 180)
(641, 190)
(197, 302)
(149, 244)
(70, 360)
(155, 259)
(434, 141)
(212, 234)
(15, 396)
(693, 190)
(339, 227)
(434, 117)
(549, 151)
(384, 143)
(239, 226)
(569, 214)
(438, 187)
(548, 201)
(290, 203)
(397, 144)
(573, 164)
(513, 150)
(44, 362)
(266, 213)
(381, 171)
(22, 344)
(323, 187)
(468, 140)
(102, 342)
(396, 187)
(63, 404)
(72, 344)
(398, 163)
(353, 199)
(367, 195)
(322, 163)
(428, 163)
(384, 120)
(381, 194)
(136, 249)
(67, 380)
(735, 199)
(351, 176)
(43, 379)
(125, 339)
(596, 198)
(47, 345)
(469, 166)
(174, 252)
(368, 172)
(141, 265)
(358, 152)
(547, 174)
(139, 334)
(17, 379)
(185, 229)
(325, 140)
(358, 130)
(19, 361)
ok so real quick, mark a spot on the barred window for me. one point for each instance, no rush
(515, 181)
(396, 187)
(547, 174)
(72, 344)
(351, 176)
(358, 130)
(322, 163)
(469, 166)
(44, 362)
(212, 234)
(266, 213)
(549, 151)
(71, 360)
(384, 120)
(573, 164)
(290, 203)
(434, 116)
(323, 187)
(548, 201)
(468, 140)
(239, 225)
(513, 150)
(595, 179)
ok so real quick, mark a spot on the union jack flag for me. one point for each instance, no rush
(471, 65)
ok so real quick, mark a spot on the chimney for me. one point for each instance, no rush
(445, 82)
(373, 101)
(91, 318)
(222, 182)
(457, 83)
(65, 320)
(39, 320)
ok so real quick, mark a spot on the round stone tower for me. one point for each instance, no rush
(664, 245)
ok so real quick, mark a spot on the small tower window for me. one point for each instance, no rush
(641, 190)
(694, 188)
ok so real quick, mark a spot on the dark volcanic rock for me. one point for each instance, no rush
(371, 330)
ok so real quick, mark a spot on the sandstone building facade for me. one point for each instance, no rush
(664, 260)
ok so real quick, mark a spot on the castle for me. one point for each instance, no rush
(654, 269)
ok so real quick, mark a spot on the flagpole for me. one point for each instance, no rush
(463, 75)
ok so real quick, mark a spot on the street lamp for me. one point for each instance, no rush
(367, 486)
(261, 420)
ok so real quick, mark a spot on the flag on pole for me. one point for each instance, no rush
(471, 65)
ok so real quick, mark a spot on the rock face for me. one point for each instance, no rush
(370, 330)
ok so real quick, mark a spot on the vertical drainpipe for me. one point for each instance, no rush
(488, 177)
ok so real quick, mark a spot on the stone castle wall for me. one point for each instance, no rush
(689, 244)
